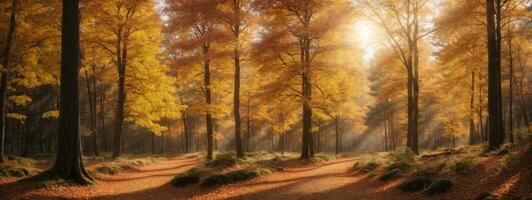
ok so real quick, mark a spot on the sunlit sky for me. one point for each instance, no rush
(365, 34)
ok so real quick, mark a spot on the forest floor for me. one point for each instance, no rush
(336, 179)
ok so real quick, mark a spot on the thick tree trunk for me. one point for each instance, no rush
(496, 132)
(6, 56)
(119, 115)
(69, 163)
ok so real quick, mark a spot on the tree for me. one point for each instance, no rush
(237, 18)
(404, 37)
(295, 28)
(69, 163)
(6, 56)
(493, 26)
(127, 34)
(197, 25)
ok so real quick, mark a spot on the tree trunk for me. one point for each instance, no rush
(248, 125)
(92, 111)
(337, 132)
(496, 132)
(511, 79)
(472, 134)
(102, 120)
(69, 163)
(208, 100)
(119, 115)
(6, 56)
(236, 94)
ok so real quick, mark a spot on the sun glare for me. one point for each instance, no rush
(365, 35)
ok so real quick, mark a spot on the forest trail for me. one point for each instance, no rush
(145, 183)
(333, 180)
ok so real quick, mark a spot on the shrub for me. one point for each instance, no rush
(389, 174)
(439, 186)
(415, 183)
(189, 177)
(222, 161)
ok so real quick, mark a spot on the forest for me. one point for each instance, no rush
(266, 99)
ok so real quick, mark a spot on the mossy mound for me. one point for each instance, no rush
(16, 171)
(389, 174)
(415, 183)
(401, 166)
(222, 161)
(215, 180)
(486, 196)
(187, 178)
(242, 175)
(108, 170)
(233, 177)
(439, 186)
(464, 166)
(368, 167)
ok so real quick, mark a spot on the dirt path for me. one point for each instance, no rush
(335, 180)
(144, 183)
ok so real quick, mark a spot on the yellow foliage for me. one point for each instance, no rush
(20, 100)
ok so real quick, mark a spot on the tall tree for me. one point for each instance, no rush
(6, 56)
(69, 163)
(493, 27)
(197, 24)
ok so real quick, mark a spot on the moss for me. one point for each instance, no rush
(507, 163)
(222, 161)
(402, 155)
(16, 171)
(189, 177)
(415, 183)
(370, 166)
(401, 166)
(389, 174)
(463, 166)
(242, 175)
(215, 180)
(107, 170)
(439, 186)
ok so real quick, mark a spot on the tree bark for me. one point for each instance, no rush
(496, 132)
(236, 95)
(69, 163)
(208, 100)
(511, 79)
(472, 138)
(92, 110)
(6, 56)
